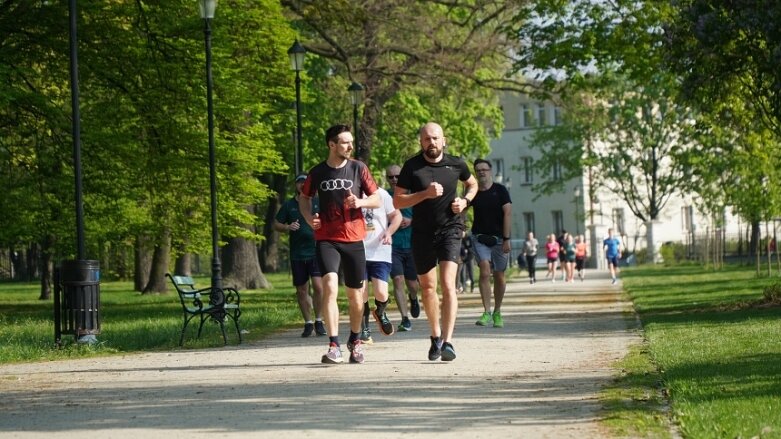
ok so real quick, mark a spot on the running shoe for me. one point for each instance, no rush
(613, 282)
(436, 348)
(320, 328)
(405, 324)
(386, 326)
(414, 306)
(334, 355)
(485, 319)
(498, 320)
(366, 336)
(308, 330)
(356, 351)
(448, 353)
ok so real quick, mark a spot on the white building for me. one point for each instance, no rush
(573, 210)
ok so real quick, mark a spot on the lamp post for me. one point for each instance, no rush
(356, 97)
(297, 54)
(575, 202)
(207, 8)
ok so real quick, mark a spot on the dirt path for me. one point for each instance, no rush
(536, 377)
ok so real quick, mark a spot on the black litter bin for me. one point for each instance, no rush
(79, 314)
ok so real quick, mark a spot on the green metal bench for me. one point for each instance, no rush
(207, 303)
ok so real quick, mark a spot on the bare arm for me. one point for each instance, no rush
(395, 221)
(403, 198)
(470, 188)
(507, 210)
(305, 206)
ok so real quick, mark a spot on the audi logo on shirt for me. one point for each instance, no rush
(337, 184)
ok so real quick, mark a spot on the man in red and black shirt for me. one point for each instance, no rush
(340, 183)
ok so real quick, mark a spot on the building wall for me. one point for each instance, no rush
(514, 165)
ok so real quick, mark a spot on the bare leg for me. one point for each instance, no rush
(355, 299)
(317, 296)
(304, 301)
(400, 295)
(428, 291)
(499, 288)
(485, 284)
(447, 273)
(330, 308)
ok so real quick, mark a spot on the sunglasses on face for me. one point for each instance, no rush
(392, 176)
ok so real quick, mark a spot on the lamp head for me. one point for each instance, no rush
(207, 7)
(296, 54)
(356, 93)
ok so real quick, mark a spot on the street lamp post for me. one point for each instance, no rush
(356, 97)
(207, 8)
(575, 202)
(297, 54)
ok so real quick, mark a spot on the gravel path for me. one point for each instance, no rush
(537, 377)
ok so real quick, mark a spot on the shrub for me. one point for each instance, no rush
(772, 293)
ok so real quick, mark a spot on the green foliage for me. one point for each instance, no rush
(673, 253)
(772, 293)
(718, 355)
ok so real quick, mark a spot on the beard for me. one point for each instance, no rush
(433, 152)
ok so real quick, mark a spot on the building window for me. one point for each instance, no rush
(498, 168)
(557, 115)
(541, 119)
(558, 174)
(687, 218)
(527, 170)
(558, 221)
(528, 218)
(618, 220)
(526, 116)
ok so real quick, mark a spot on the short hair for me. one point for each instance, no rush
(333, 132)
(478, 161)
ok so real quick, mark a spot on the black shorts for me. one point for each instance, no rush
(580, 263)
(430, 249)
(351, 255)
(404, 263)
(303, 270)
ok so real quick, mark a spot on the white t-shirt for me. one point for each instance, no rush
(376, 225)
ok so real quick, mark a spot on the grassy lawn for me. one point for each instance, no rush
(716, 345)
(131, 322)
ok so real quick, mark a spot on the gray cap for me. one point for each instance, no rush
(301, 177)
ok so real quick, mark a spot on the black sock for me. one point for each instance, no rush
(334, 340)
(381, 306)
(366, 314)
(353, 336)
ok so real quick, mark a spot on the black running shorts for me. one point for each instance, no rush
(351, 255)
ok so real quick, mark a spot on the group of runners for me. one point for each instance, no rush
(367, 235)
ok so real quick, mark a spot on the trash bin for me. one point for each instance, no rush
(79, 313)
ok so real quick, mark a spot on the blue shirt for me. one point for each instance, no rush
(612, 245)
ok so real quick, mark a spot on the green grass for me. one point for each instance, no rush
(131, 322)
(716, 346)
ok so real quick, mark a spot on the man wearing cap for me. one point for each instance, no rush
(303, 263)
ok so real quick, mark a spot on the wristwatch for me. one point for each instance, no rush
(468, 202)
(506, 238)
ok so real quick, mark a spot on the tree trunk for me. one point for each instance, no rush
(157, 282)
(47, 267)
(269, 248)
(143, 262)
(183, 265)
(241, 268)
(33, 258)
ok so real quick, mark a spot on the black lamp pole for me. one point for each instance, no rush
(207, 8)
(76, 127)
(356, 96)
(296, 54)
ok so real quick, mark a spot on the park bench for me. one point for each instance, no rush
(207, 303)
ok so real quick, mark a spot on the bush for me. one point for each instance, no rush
(672, 252)
(772, 293)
